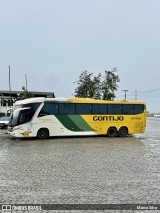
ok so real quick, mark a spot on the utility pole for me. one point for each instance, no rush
(26, 81)
(10, 86)
(125, 91)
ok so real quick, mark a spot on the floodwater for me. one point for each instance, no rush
(152, 133)
(82, 170)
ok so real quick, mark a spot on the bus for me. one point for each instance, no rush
(44, 117)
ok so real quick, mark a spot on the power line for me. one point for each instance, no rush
(150, 91)
(153, 93)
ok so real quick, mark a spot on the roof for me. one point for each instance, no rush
(76, 100)
(35, 93)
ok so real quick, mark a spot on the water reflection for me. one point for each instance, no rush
(152, 133)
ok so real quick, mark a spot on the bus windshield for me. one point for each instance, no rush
(20, 116)
(24, 114)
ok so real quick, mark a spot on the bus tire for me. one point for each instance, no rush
(123, 131)
(112, 132)
(43, 133)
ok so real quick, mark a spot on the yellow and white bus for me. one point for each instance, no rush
(44, 117)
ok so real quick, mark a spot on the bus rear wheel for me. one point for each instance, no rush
(123, 131)
(43, 133)
(112, 132)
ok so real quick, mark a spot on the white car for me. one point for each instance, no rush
(156, 115)
(4, 120)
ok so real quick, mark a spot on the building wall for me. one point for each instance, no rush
(7, 99)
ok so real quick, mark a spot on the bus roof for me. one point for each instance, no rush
(29, 100)
(74, 100)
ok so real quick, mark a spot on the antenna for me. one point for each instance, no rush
(10, 86)
(26, 81)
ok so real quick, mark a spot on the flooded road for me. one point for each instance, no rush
(82, 170)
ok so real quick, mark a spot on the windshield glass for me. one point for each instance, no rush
(17, 107)
(24, 114)
(14, 118)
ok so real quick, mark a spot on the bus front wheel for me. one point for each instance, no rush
(123, 131)
(43, 133)
(112, 132)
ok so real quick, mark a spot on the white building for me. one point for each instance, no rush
(8, 98)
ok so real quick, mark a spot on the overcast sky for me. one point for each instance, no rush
(52, 41)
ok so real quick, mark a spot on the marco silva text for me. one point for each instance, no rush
(147, 207)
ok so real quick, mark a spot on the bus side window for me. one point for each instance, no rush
(128, 109)
(49, 109)
(115, 109)
(139, 108)
(83, 109)
(125, 109)
(66, 108)
(99, 108)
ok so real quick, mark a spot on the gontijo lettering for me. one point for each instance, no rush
(108, 118)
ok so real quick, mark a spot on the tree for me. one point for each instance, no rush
(85, 85)
(89, 86)
(97, 86)
(26, 94)
(109, 84)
